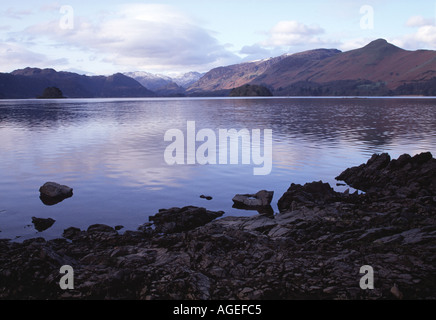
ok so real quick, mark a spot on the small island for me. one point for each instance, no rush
(52, 93)
(250, 91)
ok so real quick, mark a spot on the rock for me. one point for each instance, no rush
(262, 198)
(206, 197)
(309, 194)
(182, 219)
(313, 249)
(406, 175)
(101, 228)
(52, 193)
(42, 224)
(53, 190)
(71, 233)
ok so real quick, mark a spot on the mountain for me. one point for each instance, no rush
(378, 68)
(151, 81)
(164, 85)
(30, 83)
(226, 78)
(185, 80)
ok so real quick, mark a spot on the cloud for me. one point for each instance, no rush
(293, 33)
(15, 14)
(418, 21)
(50, 7)
(285, 37)
(144, 36)
(14, 56)
(255, 52)
(424, 37)
(255, 49)
(355, 43)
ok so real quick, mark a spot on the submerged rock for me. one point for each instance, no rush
(206, 197)
(52, 193)
(42, 224)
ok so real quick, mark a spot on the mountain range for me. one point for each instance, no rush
(164, 85)
(30, 83)
(379, 68)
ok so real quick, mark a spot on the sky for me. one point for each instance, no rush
(176, 36)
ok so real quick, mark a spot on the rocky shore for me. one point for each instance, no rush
(312, 249)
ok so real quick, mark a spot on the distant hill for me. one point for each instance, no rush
(30, 83)
(379, 68)
(185, 80)
(164, 85)
(226, 78)
(160, 84)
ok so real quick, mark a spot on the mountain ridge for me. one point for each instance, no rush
(378, 68)
(165, 85)
(30, 82)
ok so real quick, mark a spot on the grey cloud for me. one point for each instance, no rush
(16, 56)
(167, 39)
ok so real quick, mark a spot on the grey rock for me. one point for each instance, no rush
(406, 174)
(308, 195)
(52, 193)
(262, 198)
(53, 190)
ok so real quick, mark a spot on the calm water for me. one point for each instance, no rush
(111, 152)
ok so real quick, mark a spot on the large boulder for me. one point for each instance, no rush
(262, 198)
(52, 193)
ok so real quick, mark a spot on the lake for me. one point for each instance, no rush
(111, 152)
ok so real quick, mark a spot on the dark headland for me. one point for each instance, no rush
(312, 249)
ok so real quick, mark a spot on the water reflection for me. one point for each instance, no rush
(112, 150)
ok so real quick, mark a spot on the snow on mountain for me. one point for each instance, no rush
(186, 79)
(157, 82)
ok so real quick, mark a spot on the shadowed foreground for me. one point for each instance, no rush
(313, 249)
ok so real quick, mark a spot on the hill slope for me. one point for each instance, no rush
(30, 82)
(378, 68)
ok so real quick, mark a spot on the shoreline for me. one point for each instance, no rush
(312, 249)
